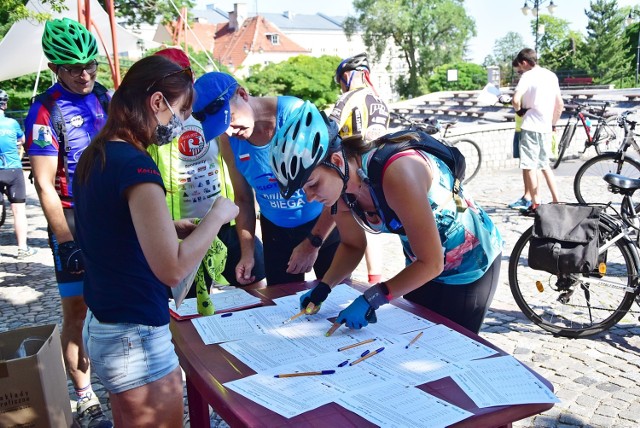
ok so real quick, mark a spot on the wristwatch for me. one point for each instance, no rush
(315, 240)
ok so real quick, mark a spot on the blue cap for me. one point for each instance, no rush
(210, 87)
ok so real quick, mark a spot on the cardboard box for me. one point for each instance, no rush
(33, 382)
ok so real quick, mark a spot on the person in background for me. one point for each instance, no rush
(11, 176)
(297, 235)
(195, 176)
(360, 111)
(131, 245)
(537, 99)
(59, 126)
(455, 250)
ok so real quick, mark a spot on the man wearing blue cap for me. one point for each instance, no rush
(297, 234)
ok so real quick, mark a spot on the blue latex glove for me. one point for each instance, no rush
(316, 295)
(358, 314)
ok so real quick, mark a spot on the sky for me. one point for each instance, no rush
(494, 18)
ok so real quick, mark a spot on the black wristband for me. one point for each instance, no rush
(377, 295)
(319, 293)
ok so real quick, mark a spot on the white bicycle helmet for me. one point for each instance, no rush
(300, 145)
(4, 98)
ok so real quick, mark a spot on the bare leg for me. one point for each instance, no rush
(550, 178)
(74, 311)
(20, 223)
(527, 191)
(157, 404)
(373, 257)
(531, 182)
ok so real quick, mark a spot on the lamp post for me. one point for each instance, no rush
(630, 21)
(534, 9)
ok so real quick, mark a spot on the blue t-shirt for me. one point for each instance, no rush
(83, 117)
(9, 133)
(119, 286)
(254, 164)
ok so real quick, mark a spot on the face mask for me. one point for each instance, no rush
(166, 133)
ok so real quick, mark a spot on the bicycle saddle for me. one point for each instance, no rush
(622, 182)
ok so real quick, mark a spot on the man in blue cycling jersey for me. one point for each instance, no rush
(54, 149)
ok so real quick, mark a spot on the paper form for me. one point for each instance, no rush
(502, 381)
(394, 405)
(223, 300)
(216, 328)
(452, 345)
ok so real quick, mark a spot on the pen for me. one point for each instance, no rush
(323, 372)
(333, 328)
(414, 340)
(364, 353)
(299, 314)
(228, 314)
(344, 348)
(369, 355)
(344, 363)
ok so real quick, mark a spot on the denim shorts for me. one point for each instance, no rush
(126, 356)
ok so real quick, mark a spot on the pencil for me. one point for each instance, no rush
(414, 340)
(369, 355)
(344, 348)
(299, 314)
(322, 372)
(333, 328)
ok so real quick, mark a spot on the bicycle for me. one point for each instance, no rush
(581, 305)
(469, 148)
(588, 185)
(603, 133)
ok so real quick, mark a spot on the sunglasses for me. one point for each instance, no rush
(186, 70)
(213, 107)
(90, 68)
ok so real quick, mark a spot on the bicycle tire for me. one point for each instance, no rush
(596, 303)
(565, 141)
(610, 137)
(472, 157)
(588, 185)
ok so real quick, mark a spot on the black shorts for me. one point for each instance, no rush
(12, 185)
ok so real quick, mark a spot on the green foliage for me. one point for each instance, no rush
(556, 31)
(303, 76)
(604, 50)
(470, 77)
(428, 33)
(504, 50)
(15, 10)
(136, 12)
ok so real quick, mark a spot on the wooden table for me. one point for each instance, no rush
(208, 367)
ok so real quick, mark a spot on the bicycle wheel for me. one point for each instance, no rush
(565, 140)
(588, 185)
(609, 138)
(576, 305)
(472, 157)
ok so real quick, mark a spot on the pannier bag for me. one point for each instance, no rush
(565, 238)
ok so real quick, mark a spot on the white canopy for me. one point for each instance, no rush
(21, 49)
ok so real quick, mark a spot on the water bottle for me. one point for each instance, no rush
(587, 127)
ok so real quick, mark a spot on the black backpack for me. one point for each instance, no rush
(451, 156)
(57, 119)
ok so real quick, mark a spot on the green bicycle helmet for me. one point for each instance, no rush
(66, 41)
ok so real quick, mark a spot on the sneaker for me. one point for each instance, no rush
(24, 253)
(89, 413)
(520, 204)
(530, 211)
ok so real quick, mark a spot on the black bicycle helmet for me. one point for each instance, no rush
(359, 62)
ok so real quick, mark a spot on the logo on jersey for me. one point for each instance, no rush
(244, 157)
(191, 144)
(378, 108)
(41, 135)
(76, 121)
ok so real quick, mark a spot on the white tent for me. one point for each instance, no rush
(21, 49)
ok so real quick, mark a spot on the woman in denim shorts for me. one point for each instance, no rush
(131, 246)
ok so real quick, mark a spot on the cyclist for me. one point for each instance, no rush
(413, 199)
(12, 177)
(297, 236)
(360, 111)
(54, 150)
(195, 176)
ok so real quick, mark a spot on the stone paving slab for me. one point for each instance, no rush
(597, 379)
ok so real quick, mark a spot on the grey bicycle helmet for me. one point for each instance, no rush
(66, 41)
(4, 97)
(359, 62)
(300, 145)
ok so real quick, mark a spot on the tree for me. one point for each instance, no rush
(15, 10)
(604, 50)
(504, 50)
(302, 76)
(556, 31)
(428, 33)
(470, 77)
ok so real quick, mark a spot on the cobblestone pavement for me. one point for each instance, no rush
(597, 379)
